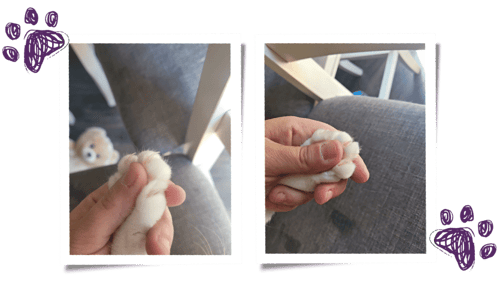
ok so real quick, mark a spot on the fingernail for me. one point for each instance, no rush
(130, 177)
(328, 151)
(329, 195)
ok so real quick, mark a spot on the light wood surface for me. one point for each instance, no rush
(351, 68)
(293, 52)
(389, 73)
(331, 64)
(307, 75)
(206, 113)
(410, 61)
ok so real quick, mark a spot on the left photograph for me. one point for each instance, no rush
(150, 149)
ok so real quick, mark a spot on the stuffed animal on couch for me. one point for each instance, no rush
(92, 149)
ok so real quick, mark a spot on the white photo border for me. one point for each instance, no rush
(233, 86)
(261, 257)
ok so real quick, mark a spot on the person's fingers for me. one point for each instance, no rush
(326, 191)
(278, 207)
(361, 174)
(175, 195)
(106, 250)
(160, 236)
(283, 198)
(283, 195)
(113, 208)
(292, 131)
(315, 158)
(85, 205)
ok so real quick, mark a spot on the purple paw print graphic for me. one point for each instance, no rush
(458, 242)
(39, 44)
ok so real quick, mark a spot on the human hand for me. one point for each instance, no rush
(284, 156)
(101, 213)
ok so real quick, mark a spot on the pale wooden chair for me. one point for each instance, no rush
(312, 67)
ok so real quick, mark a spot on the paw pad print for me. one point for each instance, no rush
(39, 44)
(459, 242)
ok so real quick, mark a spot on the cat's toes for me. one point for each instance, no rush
(351, 150)
(146, 155)
(122, 168)
(319, 135)
(324, 135)
(342, 136)
(155, 165)
(328, 176)
(125, 162)
(344, 169)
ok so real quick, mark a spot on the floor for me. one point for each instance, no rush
(90, 109)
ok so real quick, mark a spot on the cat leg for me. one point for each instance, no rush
(130, 238)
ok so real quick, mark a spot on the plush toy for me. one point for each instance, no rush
(92, 149)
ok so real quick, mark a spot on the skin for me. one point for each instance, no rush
(100, 214)
(284, 156)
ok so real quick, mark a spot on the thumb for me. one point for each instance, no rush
(115, 206)
(315, 158)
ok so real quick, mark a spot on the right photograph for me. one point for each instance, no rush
(345, 148)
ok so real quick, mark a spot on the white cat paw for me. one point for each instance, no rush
(343, 170)
(130, 238)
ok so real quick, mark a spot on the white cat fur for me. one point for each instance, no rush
(130, 238)
(343, 170)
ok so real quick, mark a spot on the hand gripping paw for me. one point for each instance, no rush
(343, 170)
(130, 238)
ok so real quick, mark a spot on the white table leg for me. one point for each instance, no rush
(389, 73)
(87, 56)
(348, 66)
(203, 145)
(223, 131)
(410, 61)
(306, 75)
(331, 64)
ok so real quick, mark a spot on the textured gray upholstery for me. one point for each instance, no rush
(385, 214)
(201, 224)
